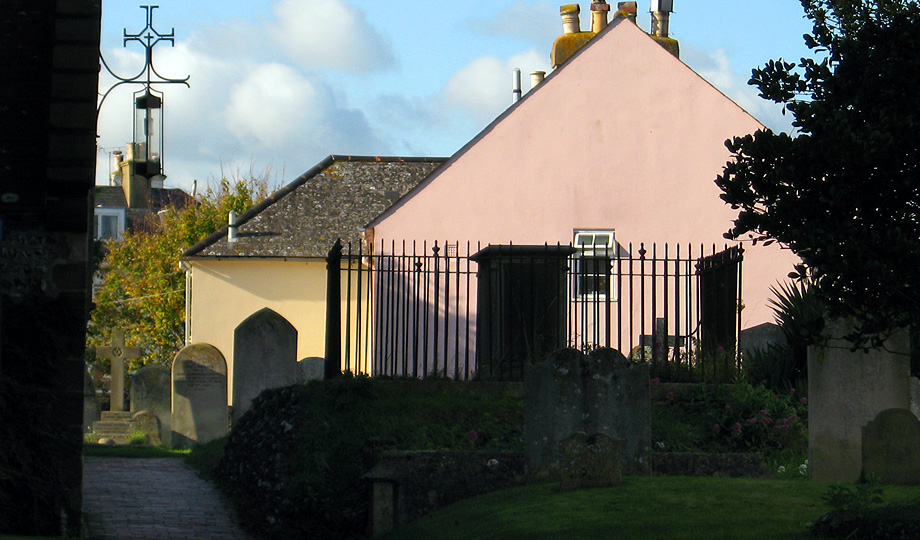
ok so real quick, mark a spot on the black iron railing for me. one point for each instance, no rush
(462, 311)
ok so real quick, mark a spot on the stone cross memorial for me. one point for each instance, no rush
(117, 352)
(199, 395)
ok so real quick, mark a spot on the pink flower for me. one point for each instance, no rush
(655, 382)
(751, 420)
(804, 401)
(792, 390)
(728, 407)
(472, 434)
(736, 429)
(716, 428)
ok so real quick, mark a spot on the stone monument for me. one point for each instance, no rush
(891, 447)
(199, 395)
(264, 356)
(150, 392)
(117, 352)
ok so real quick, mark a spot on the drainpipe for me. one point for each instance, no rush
(516, 86)
(183, 265)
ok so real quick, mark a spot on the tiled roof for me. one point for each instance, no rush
(331, 201)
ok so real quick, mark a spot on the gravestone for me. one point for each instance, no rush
(598, 394)
(199, 396)
(891, 447)
(590, 462)
(150, 391)
(90, 403)
(117, 353)
(846, 390)
(264, 356)
(311, 369)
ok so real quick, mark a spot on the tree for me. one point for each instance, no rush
(143, 287)
(844, 193)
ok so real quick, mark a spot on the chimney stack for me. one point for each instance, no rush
(661, 14)
(627, 10)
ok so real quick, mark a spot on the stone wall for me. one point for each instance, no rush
(49, 53)
(407, 485)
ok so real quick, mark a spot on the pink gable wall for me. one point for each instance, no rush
(624, 136)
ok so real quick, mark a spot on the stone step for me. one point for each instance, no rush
(121, 428)
(115, 416)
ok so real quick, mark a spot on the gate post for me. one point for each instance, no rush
(333, 364)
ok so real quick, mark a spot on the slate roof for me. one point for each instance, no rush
(333, 200)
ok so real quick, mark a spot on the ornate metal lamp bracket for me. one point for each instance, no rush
(149, 37)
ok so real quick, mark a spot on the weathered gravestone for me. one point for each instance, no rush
(597, 394)
(891, 447)
(311, 369)
(91, 407)
(150, 392)
(199, 395)
(588, 462)
(264, 356)
(846, 390)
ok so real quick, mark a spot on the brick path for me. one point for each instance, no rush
(157, 498)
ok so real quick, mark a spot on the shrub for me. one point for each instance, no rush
(859, 513)
(294, 461)
(733, 418)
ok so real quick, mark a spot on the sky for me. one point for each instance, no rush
(277, 85)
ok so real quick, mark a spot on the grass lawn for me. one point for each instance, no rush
(659, 508)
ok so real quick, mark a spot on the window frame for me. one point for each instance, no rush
(101, 212)
(589, 252)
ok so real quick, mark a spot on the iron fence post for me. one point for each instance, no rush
(333, 363)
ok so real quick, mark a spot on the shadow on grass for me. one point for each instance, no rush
(643, 508)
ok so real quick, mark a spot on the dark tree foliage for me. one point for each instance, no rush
(844, 193)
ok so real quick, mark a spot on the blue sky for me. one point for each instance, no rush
(276, 85)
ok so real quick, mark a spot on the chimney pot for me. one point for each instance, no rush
(536, 77)
(570, 22)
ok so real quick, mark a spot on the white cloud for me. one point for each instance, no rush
(329, 34)
(716, 68)
(482, 88)
(538, 24)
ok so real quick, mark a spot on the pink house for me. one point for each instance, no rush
(621, 142)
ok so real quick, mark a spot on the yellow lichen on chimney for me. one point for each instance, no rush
(670, 44)
(568, 44)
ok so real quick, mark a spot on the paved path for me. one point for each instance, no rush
(157, 498)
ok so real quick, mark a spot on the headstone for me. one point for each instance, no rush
(199, 395)
(311, 369)
(846, 390)
(761, 337)
(915, 396)
(117, 353)
(90, 403)
(591, 462)
(264, 356)
(599, 394)
(891, 447)
(150, 392)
